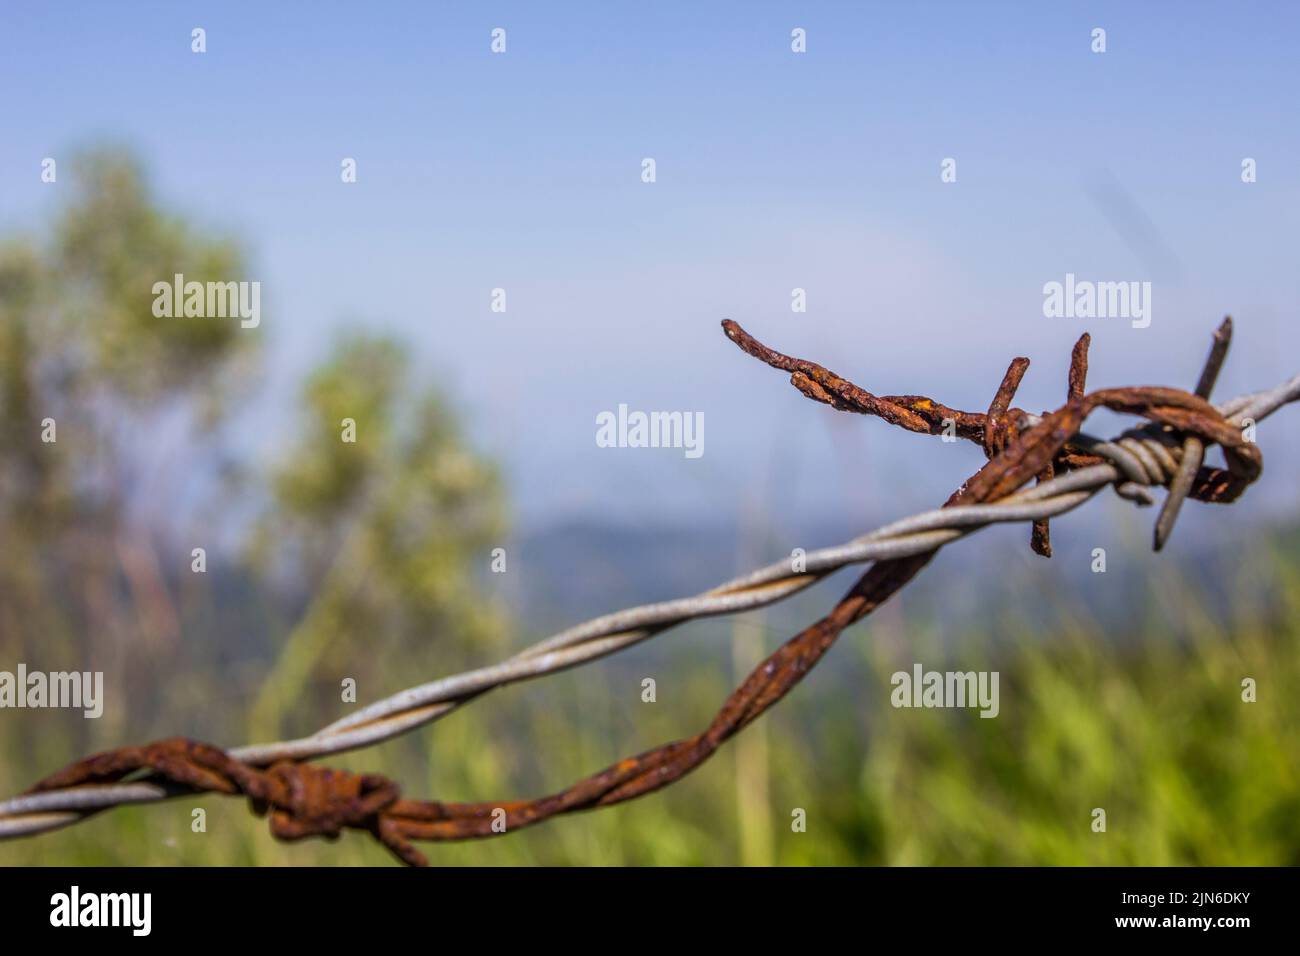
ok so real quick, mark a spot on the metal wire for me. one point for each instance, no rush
(1134, 462)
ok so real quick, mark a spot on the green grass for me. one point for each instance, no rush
(1148, 725)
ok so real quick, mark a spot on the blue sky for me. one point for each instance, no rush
(775, 171)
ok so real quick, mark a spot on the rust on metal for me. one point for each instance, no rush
(1193, 448)
(303, 800)
(1078, 367)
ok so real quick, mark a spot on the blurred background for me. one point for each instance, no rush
(522, 171)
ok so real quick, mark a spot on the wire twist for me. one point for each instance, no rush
(1069, 465)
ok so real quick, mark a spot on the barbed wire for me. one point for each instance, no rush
(1069, 465)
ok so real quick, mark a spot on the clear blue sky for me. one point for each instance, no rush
(775, 170)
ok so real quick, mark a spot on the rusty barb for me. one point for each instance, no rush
(1067, 466)
(1183, 419)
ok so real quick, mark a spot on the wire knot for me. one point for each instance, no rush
(305, 800)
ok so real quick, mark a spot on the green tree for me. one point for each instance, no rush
(386, 532)
(89, 377)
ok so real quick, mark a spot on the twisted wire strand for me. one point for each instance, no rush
(1137, 460)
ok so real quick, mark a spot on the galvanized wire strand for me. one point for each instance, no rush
(1137, 459)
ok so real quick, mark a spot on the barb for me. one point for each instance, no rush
(1070, 467)
(1040, 536)
(1193, 448)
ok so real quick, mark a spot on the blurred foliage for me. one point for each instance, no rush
(80, 347)
(111, 245)
(366, 560)
(386, 532)
(1149, 725)
(336, 561)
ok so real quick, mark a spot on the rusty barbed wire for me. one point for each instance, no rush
(1069, 466)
